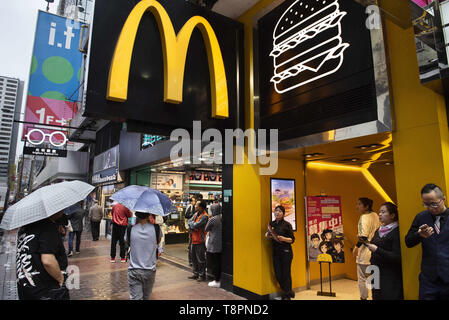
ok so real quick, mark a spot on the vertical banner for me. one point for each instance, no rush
(283, 194)
(325, 228)
(55, 72)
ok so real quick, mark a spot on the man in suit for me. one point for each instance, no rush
(430, 228)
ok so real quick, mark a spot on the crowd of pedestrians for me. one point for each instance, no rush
(42, 258)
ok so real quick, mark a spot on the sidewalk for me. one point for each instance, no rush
(8, 289)
(102, 280)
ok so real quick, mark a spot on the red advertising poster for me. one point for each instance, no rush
(325, 228)
(48, 112)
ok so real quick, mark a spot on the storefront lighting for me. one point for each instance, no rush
(339, 167)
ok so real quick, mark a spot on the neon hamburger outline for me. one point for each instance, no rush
(317, 61)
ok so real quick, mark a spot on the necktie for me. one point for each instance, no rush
(437, 224)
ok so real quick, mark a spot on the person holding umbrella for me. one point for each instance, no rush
(41, 258)
(143, 238)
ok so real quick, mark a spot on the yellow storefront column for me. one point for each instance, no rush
(420, 142)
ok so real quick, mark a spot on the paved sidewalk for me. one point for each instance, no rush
(101, 280)
(8, 288)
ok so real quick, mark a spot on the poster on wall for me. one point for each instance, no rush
(105, 168)
(167, 181)
(325, 228)
(283, 194)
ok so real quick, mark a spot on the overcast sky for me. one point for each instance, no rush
(17, 26)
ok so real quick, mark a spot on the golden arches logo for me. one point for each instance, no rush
(174, 49)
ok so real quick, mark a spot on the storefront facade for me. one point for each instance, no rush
(395, 169)
(350, 117)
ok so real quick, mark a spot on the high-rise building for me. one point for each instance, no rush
(11, 91)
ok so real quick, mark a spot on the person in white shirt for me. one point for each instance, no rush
(368, 224)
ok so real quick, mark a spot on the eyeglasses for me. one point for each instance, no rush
(432, 204)
(39, 137)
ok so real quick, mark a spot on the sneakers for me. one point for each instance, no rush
(201, 279)
(122, 260)
(70, 254)
(214, 284)
(193, 277)
(78, 252)
(112, 260)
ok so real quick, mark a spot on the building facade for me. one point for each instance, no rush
(10, 104)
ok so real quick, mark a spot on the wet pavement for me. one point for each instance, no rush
(100, 279)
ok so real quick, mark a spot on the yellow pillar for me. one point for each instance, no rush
(420, 142)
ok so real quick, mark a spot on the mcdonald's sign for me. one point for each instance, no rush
(164, 63)
(175, 51)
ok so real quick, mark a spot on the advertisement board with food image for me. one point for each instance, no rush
(283, 194)
(325, 228)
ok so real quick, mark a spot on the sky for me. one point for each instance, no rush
(17, 26)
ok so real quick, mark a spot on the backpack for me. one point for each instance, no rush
(157, 229)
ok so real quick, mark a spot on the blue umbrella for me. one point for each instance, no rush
(144, 199)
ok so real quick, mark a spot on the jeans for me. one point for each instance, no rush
(199, 259)
(78, 240)
(118, 234)
(95, 228)
(140, 283)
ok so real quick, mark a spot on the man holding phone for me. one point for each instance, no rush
(431, 230)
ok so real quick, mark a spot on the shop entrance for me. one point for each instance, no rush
(336, 174)
(180, 181)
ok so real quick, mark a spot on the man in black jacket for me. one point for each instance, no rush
(431, 230)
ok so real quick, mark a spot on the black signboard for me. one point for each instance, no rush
(49, 152)
(316, 68)
(144, 108)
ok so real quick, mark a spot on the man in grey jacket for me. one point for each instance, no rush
(95, 215)
(214, 243)
(76, 220)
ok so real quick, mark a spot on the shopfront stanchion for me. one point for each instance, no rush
(330, 293)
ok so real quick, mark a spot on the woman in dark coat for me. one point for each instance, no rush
(386, 255)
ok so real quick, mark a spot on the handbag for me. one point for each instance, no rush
(69, 227)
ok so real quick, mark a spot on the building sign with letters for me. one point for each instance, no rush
(49, 152)
(164, 63)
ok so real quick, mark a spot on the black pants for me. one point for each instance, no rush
(282, 262)
(199, 260)
(214, 261)
(118, 234)
(95, 228)
(51, 293)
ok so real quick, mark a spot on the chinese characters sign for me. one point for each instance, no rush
(325, 228)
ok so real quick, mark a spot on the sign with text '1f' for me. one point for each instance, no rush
(55, 72)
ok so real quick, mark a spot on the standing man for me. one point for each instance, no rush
(76, 220)
(430, 228)
(120, 215)
(143, 240)
(95, 215)
(41, 260)
(190, 211)
(197, 225)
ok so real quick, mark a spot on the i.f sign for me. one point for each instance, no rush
(373, 21)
